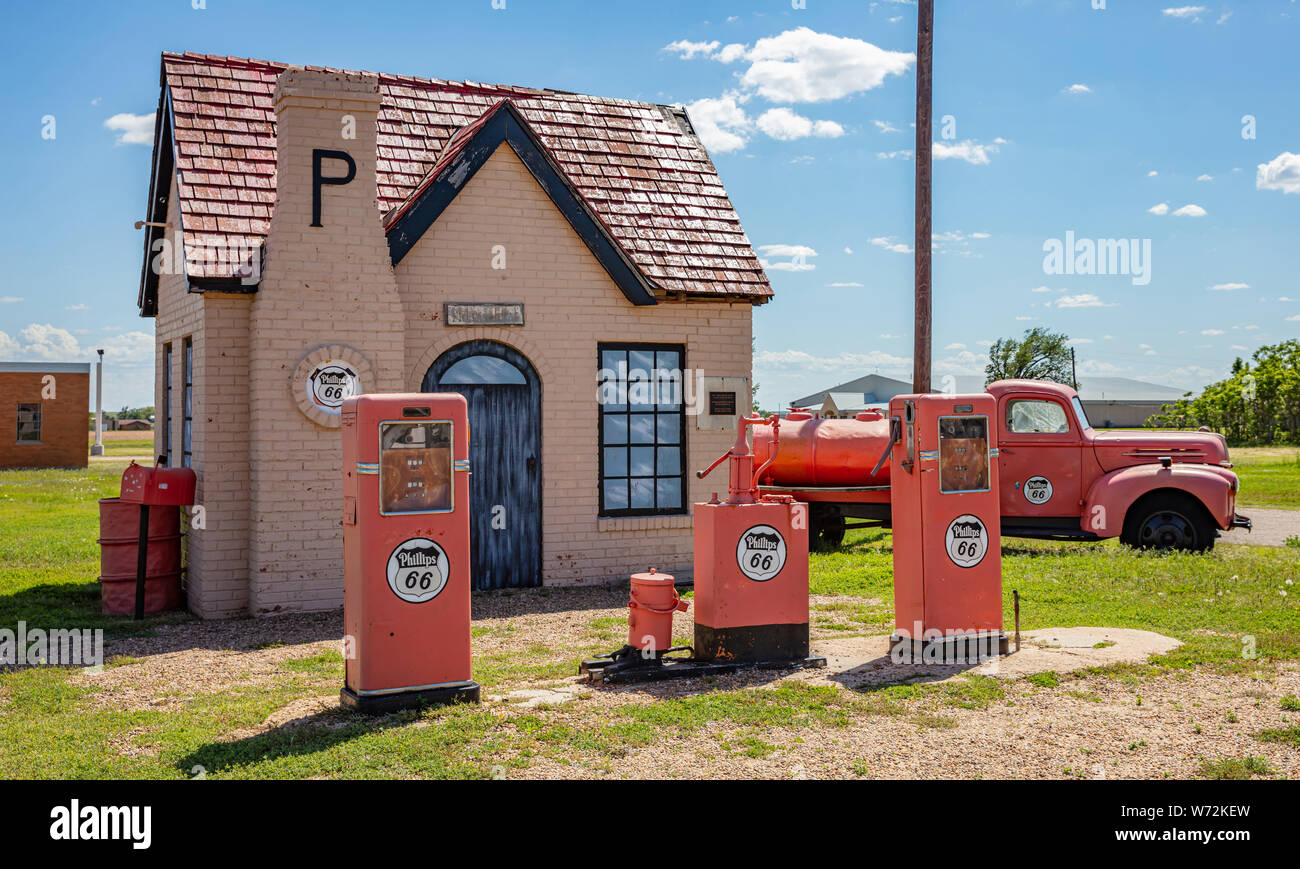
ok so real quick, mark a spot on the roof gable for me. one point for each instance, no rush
(466, 153)
(638, 168)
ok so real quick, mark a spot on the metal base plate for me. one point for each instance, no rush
(380, 704)
(625, 669)
(946, 649)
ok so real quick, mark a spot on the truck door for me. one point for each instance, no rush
(1039, 462)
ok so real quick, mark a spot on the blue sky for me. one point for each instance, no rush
(1117, 123)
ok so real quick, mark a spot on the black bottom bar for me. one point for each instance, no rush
(751, 643)
(379, 704)
(627, 665)
(941, 650)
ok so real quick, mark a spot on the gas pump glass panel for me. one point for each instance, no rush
(415, 467)
(963, 454)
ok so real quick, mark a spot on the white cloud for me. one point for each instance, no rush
(1230, 286)
(1153, 173)
(1228, 14)
(1185, 12)
(886, 127)
(785, 125)
(894, 155)
(798, 254)
(1211, 331)
(1041, 290)
(845, 284)
(1162, 208)
(955, 346)
(1077, 89)
(1280, 173)
(969, 150)
(804, 66)
(848, 249)
(876, 360)
(1190, 210)
(1081, 300)
(132, 129)
(1294, 318)
(1079, 341)
(888, 243)
(730, 53)
(76, 308)
(10, 300)
(685, 49)
(721, 123)
(1205, 178)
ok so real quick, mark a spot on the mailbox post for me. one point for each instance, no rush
(406, 553)
(153, 487)
(946, 521)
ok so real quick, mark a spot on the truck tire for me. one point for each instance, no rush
(1169, 520)
(827, 532)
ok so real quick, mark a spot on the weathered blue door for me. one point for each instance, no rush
(505, 454)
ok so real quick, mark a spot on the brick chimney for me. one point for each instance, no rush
(327, 292)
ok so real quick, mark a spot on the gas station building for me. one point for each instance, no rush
(571, 264)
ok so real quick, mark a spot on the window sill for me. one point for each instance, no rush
(643, 523)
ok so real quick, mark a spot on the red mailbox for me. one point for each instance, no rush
(406, 552)
(158, 486)
(946, 521)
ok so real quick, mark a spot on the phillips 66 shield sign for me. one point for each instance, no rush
(760, 553)
(331, 383)
(417, 570)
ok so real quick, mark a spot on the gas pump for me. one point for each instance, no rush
(946, 521)
(751, 584)
(406, 553)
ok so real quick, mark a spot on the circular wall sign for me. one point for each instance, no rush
(1038, 490)
(966, 541)
(331, 383)
(418, 570)
(760, 553)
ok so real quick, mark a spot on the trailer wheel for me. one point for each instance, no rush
(827, 532)
(1167, 520)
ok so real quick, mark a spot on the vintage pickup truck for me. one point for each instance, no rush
(1059, 477)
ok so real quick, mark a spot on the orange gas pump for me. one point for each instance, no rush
(406, 554)
(947, 536)
(751, 583)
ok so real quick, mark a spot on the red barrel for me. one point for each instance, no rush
(650, 611)
(119, 536)
(824, 452)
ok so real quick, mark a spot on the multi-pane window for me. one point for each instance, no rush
(29, 423)
(165, 441)
(187, 422)
(642, 429)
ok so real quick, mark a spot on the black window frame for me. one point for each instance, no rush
(682, 508)
(187, 389)
(18, 422)
(168, 361)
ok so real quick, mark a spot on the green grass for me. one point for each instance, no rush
(53, 725)
(1284, 735)
(1235, 768)
(1270, 476)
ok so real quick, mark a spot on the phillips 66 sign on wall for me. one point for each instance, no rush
(331, 383)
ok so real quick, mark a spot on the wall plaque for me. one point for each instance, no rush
(483, 313)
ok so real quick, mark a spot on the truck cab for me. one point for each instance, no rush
(1062, 479)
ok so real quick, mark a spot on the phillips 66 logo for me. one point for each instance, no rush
(760, 554)
(418, 570)
(331, 383)
(966, 541)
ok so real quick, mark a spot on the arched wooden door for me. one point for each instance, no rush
(505, 453)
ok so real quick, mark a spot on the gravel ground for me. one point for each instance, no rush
(1271, 527)
(1089, 727)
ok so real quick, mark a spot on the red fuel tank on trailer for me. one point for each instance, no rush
(824, 452)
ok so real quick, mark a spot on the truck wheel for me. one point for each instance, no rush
(1168, 521)
(828, 533)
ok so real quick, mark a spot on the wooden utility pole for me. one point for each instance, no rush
(924, 89)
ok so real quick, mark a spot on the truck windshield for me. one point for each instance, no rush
(1083, 417)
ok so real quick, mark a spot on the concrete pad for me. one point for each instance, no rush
(1271, 527)
(529, 698)
(858, 662)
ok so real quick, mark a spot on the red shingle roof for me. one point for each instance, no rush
(649, 181)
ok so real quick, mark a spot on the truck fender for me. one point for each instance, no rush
(1111, 495)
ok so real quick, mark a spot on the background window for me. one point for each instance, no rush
(187, 423)
(1036, 417)
(29, 423)
(642, 429)
(166, 434)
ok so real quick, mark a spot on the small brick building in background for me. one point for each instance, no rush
(561, 260)
(43, 414)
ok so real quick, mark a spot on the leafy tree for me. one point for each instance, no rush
(1039, 355)
(1255, 404)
